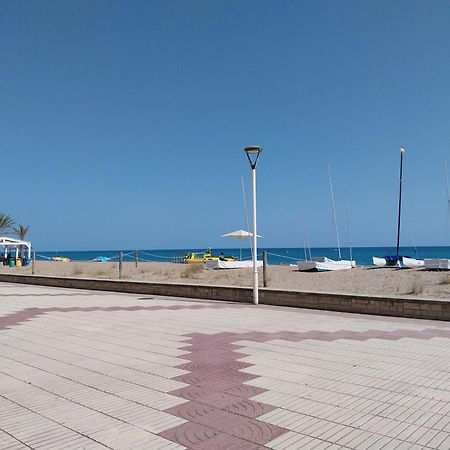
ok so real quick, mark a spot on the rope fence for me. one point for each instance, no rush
(43, 257)
(155, 256)
(134, 256)
(283, 256)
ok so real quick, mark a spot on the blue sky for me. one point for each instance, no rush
(123, 123)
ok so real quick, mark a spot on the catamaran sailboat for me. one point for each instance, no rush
(397, 260)
(322, 263)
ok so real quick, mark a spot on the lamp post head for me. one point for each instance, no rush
(253, 154)
(402, 150)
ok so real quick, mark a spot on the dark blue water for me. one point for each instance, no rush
(286, 256)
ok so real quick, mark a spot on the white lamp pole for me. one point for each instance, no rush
(253, 155)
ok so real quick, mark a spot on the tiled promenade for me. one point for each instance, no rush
(81, 369)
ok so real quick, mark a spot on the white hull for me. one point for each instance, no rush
(437, 264)
(231, 264)
(405, 261)
(325, 265)
(383, 262)
(413, 263)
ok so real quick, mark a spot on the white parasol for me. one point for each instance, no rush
(240, 234)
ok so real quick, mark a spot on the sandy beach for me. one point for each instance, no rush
(391, 282)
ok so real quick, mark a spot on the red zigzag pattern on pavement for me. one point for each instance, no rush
(219, 411)
(19, 317)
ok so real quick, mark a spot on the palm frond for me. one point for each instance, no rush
(21, 231)
(6, 222)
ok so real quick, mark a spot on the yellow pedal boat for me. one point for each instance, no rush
(202, 257)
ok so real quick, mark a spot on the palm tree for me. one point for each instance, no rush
(6, 222)
(21, 231)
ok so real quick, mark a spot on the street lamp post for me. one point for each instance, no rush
(253, 155)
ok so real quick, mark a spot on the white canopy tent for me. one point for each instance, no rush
(9, 244)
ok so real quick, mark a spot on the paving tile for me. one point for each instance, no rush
(81, 369)
(445, 444)
(437, 440)
(293, 441)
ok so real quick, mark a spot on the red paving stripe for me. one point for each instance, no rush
(226, 442)
(18, 317)
(229, 424)
(59, 294)
(248, 408)
(191, 435)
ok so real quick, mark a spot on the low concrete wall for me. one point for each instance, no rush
(387, 306)
(233, 294)
(416, 308)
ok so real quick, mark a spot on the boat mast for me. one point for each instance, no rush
(307, 242)
(303, 235)
(448, 191)
(402, 151)
(334, 212)
(349, 231)
(306, 246)
(414, 243)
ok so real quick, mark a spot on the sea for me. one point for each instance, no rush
(275, 256)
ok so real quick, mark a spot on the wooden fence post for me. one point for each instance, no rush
(120, 264)
(136, 257)
(32, 263)
(264, 268)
